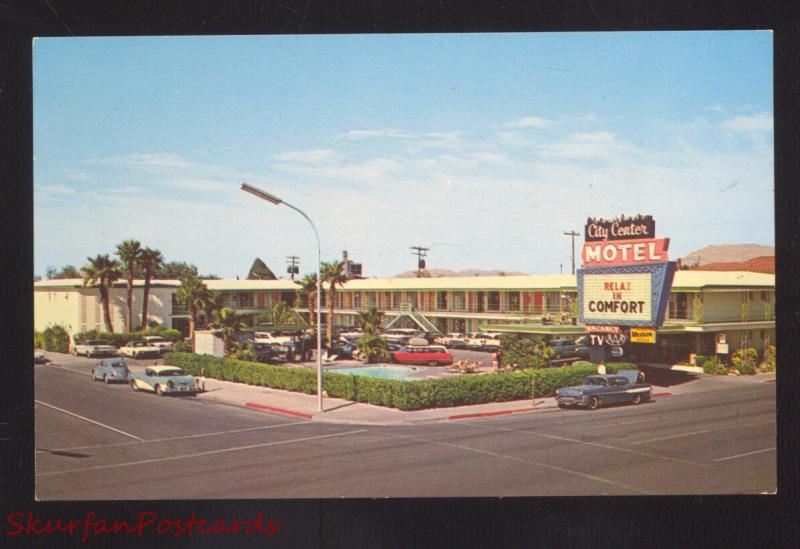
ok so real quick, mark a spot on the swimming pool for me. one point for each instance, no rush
(383, 371)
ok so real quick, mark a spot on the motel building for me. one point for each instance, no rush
(702, 306)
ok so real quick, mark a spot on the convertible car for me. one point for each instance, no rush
(164, 380)
(605, 389)
(111, 369)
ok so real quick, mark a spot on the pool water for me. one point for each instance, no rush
(383, 371)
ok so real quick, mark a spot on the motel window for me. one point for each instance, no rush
(356, 300)
(513, 301)
(765, 297)
(441, 300)
(372, 299)
(458, 301)
(494, 301)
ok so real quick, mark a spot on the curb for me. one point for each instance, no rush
(664, 394)
(284, 411)
(495, 413)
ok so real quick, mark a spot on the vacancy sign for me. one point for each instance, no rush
(617, 297)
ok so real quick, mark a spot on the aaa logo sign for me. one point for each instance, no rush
(610, 296)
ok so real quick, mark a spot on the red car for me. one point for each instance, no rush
(432, 355)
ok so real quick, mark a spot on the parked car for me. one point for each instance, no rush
(483, 341)
(93, 348)
(432, 355)
(164, 380)
(164, 345)
(605, 389)
(111, 369)
(40, 358)
(566, 348)
(453, 340)
(270, 338)
(139, 348)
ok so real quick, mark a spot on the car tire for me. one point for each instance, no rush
(94, 378)
(159, 392)
(562, 405)
(134, 386)
(637, 398)
(105, 379)
(433, 363)
(594, 403)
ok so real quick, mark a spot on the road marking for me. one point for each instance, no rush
(87, 419)
(232, 431)
(747, 454)
(596, 444)
(692, 433)
(201, 454)
(523, 460)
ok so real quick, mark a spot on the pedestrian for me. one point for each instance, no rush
(495, 360)
(499, 355)
(201, 380)
(601, 368)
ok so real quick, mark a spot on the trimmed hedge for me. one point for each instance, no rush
(121, 338)
(403, 395)
(54, 338)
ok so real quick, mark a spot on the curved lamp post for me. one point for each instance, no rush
(277, 201)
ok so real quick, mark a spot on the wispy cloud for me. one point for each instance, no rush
(58, 188)
(312, 156)
(378, 134)
(757, 122)
(585, 145)
(529, 122)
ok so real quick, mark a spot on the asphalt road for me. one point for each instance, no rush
(107, 442)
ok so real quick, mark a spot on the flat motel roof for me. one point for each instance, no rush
(684, 280)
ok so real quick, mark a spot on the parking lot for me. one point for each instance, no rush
(97, 441)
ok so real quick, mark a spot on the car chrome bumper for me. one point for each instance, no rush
(572, 400)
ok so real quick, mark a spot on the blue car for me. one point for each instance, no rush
(111, 369)
(605, 389)
(164, 380)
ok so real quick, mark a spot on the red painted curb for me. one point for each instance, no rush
(54, 364)
(770, 381)
(660, 395)
(489, 414)
(277, 410)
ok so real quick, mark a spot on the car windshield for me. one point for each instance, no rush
(169, 373)
(594, 381)
(155, 338)
(96, 342)
(118, 365)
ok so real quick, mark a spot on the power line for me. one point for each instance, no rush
(420, 253)
(293, 262)
(573, 234)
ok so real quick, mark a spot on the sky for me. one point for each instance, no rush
(484, 148)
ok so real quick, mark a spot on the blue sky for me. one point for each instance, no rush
(482, 147)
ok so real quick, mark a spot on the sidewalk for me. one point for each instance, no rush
(302, 406)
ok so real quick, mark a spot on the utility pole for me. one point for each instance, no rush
(293, 262)
(573, 234)
(420, 253)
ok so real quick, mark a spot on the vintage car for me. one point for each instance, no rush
(566, 348)
(94, 347)
(164, 380)
(483, 341)
(139, 348)
(605, 389)
(432, 355)
(111, 369)
(453, 340)
(164, 345)
(40, 358)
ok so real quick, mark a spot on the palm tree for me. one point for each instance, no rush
(280, 315)
(150, 261)
(332, 273)
(230, 323)
(101, 271)
(194, 293)
(308, 292)
(213, 304)
(129, 252)
(370, 320)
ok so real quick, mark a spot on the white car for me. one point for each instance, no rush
(139, 348)
(163, 345)
(483, 341)
(453, 339)
(93, 348)
(270, 339)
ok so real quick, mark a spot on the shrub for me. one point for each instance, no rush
(182, 346)
(118, 339)
(769, 359)
(699, 360)
(373, 348)
(744, 361)
(404, 395)
(38, 340)
(56, 339)
(524, 352)
(711, 366)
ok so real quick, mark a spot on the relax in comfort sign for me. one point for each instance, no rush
(617, 296)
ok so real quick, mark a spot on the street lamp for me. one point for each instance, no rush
(277, 201)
